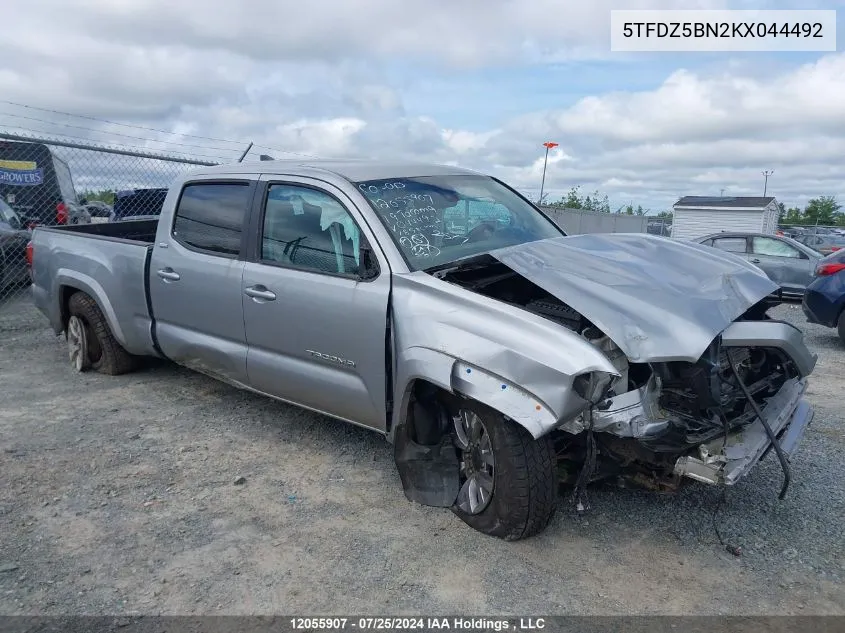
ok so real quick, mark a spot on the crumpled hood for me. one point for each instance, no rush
(658, 299)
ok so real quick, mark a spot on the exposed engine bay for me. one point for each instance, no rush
(656, 422)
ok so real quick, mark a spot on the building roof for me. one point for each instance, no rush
(725, 202)
(350, 169)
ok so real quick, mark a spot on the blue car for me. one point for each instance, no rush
(824, 298)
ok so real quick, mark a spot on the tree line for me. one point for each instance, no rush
(103, 195)
(822, 211)
(594, 201)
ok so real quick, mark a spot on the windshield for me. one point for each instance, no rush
(435, 220)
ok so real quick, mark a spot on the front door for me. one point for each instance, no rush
(315, 321)
(195, 280)
(784, 264)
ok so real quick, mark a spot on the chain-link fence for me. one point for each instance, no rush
(48, 182)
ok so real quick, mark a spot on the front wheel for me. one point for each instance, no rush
(508, 479)
(841, 327)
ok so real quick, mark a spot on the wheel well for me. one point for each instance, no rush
(427, 416)
(65, 293)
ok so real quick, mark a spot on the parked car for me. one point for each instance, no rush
(824, 300)
(97, 210)
(38, 184)
(787, 262)
(488, 357)
(138, 204)
(824, 244)
(659, 227)
(14, 237)
(793, 232)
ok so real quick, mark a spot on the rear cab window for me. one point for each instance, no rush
(210, 216)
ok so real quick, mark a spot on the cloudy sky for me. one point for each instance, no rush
(481, 83)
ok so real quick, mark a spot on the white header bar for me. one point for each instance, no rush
(658, 31)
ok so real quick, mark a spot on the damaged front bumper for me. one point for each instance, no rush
(724, 462)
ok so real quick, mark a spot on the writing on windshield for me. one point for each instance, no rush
(409, 212)
(438, 219)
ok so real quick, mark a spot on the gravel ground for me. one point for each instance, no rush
(117, 496)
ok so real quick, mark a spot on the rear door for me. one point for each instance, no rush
(195, 278)
(315, 321)
(736, 244)
(788, 267)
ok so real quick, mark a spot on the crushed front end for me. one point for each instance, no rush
(662, 422)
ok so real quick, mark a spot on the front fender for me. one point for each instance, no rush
(515, 362)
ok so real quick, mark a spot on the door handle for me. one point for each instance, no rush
(260, 292)
(168, 274)
(755, 261)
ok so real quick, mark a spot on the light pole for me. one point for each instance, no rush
(548, 145)
(766, 175)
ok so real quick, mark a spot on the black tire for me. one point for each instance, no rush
(105, 353)
(841, 327)
(524, 498)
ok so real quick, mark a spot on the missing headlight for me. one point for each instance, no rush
(593, 386)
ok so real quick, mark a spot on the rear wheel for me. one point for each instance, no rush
(77, 343)
(841, 327)
(508, 479)
(91, 343)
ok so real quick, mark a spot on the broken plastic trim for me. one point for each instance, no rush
(592, 386)
(772, 437)
(429, 474)
(725, 464)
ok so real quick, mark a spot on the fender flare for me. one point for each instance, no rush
(459, 377)
(66, 278)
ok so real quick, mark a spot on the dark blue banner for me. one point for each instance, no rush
(21, 177)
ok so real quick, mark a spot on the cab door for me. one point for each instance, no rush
(195, 278)
(315, 303)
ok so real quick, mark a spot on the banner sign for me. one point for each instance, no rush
(20, 173)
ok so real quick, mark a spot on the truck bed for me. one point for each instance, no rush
(110, 262)
(143, 231)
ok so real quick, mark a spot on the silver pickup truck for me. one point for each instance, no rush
(439, 307)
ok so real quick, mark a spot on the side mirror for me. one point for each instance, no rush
(368, 266)
(15, 223)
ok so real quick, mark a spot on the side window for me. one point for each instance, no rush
(210, 216)
(773, 248)
(309, 229)
(730, 244)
